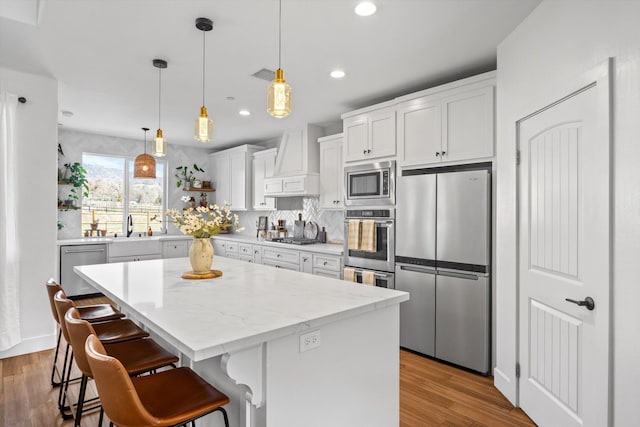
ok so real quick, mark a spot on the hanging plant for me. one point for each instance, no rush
(77, 177)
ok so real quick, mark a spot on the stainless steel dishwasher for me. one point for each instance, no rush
(73, 255)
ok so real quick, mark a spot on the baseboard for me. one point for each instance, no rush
(30, 345)
(505, 385)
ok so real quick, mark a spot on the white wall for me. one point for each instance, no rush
(558, 41)
(36, 137)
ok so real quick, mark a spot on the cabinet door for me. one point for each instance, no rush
(382, 133)
(238, 185)
(262, 168)
(175, 249)
(306, 263)
(257, 254)
(355, 138)
(419, 130)
(331, 174)
(467, 122)
(220, 166)
(219, 247)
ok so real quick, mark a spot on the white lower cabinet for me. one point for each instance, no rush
(327, 265)
(176, 248)
(291, 259)
(306, 263)
(281, 258)
(219, 247)
(245, 252)
(134, 250)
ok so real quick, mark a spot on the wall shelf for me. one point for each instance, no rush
(202, 190)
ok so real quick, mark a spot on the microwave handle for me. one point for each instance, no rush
(381, 275)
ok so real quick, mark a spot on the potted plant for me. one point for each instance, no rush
(76, 176)
(186, 175)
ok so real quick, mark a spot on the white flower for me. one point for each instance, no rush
(185, 199)
(203, 221)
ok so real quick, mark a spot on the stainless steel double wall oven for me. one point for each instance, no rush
(370, 195)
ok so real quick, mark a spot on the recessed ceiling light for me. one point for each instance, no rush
(365, 8)
(244, 112)
(337, 74)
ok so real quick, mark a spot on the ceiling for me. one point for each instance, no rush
(101, 53)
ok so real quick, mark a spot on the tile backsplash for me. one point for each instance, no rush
(333, 221)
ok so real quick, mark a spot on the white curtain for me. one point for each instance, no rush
(9, 251)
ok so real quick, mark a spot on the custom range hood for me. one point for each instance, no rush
(297, 169)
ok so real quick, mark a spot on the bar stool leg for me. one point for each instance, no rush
(55, 383)
(62, 395)
(83, 389)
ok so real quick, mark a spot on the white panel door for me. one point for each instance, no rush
(223, 179)
(420, 130)
(239, 197)
(564, 254)
(356, 139)
(382, 133)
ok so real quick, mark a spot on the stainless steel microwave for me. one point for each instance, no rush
(372, 184)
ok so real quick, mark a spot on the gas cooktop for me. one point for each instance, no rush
(295, 241)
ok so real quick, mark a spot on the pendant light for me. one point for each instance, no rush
(160, 145)
(279, 93)
(204, 125)
(144, 165)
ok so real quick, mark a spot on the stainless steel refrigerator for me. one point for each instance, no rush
(443, 253)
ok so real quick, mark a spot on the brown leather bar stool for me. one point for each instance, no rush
(91, 313)
(168, 398)
(113, 331)
(137, 357)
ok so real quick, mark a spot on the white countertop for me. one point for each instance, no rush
(121, 239)
(325, 248)
(249, 304)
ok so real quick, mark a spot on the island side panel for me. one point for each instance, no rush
(351, 379)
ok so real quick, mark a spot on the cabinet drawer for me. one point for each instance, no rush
(219, 247)
(245, 250)
(273, 186)
(231, 248)
(293, 185)
(282, 255)
(279, 264)
(175, 249)
(121, 248)
(328, 273)
(326, 262)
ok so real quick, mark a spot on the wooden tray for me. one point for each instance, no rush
(212, 274)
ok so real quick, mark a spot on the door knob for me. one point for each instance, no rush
(588, 302)
(437, 153)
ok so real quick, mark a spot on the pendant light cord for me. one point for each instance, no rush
(203, 63)
(159, 94)
(279, 32)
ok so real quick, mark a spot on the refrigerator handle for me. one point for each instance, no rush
(417, 269)
(467, 276)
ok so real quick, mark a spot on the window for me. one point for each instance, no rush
(114, 194)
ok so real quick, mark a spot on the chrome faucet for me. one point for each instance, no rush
(129, 225)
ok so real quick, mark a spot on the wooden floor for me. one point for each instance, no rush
(431, 394)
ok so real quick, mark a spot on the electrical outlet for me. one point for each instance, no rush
(309, 340)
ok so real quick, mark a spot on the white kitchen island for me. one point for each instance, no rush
(289, 348)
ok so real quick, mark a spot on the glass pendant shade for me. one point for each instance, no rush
(159, 145)
(279, 96)
(204, 127)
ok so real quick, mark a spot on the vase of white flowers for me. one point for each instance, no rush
(202, 223)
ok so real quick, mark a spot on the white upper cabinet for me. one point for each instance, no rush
(232, 176)
(264, 163)
(453, 122)
(331, 172)
(370, 134)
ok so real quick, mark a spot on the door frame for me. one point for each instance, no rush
(599, 77)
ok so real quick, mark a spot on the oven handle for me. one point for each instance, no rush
(383, 222)
(375, 273)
